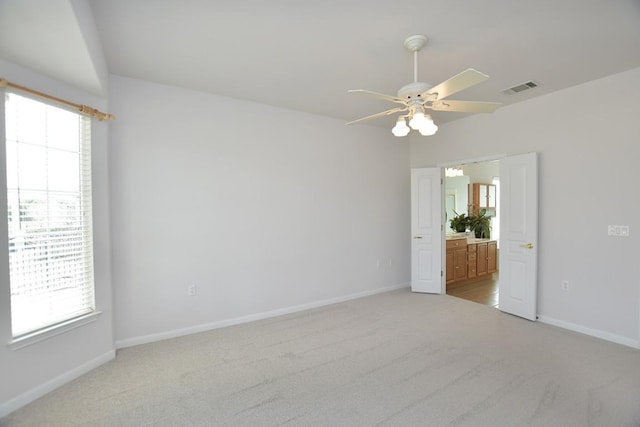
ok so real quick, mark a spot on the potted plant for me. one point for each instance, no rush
(460, 222)
(480, 224)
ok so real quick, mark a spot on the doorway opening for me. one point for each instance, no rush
(482, 291)
(471, 262)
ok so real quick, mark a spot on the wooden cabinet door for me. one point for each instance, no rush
(450, 266)
(474, 198)
(481, 263)
(492, 257)
(460, 263)
(483, 196)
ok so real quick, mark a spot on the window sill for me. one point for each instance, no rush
(53, 330)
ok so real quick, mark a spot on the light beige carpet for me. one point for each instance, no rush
(395, 359)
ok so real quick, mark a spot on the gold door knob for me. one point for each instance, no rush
(528, 246)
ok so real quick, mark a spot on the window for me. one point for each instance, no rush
(49, 214)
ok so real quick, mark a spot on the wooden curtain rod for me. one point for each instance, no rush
(83, 109)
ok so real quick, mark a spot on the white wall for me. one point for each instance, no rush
(263, 209)
(482, 172)
(587, 140)
(29, 372)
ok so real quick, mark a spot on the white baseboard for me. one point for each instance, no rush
(145, 339)
(37, 392)
(592, 332)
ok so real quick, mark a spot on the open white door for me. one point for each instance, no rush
(518, 285)
(426, 232)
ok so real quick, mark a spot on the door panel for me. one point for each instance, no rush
(518, 261)
(426, 242)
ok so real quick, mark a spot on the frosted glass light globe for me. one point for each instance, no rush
(401, 128)
(417, 120)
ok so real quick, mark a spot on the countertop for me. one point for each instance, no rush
(470, 239)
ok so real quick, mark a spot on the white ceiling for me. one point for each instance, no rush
(305, 55)
(48, 36)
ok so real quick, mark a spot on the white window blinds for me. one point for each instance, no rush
(49, 214)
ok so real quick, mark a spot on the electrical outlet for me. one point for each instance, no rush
(378, 264)
(564, 285)
(192, 291)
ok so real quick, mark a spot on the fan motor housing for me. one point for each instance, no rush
(412, 90)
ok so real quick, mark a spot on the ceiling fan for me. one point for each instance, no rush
(417, 97)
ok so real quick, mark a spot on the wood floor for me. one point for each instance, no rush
(483, 291)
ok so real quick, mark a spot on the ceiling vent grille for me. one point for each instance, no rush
(521, 87)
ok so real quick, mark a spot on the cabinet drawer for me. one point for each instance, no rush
(456, 243)
(471, 248)
(471, 256)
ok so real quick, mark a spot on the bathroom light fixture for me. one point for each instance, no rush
(453, 172)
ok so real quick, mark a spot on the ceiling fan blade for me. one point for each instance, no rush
(464, 80)
(465, 106)
(379, 95)
(382, 114)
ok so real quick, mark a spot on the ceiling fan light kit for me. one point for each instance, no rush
(417, 97)
(401, 128)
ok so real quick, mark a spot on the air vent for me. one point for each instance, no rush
(521, 87)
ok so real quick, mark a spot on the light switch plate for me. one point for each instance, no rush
(618, 230)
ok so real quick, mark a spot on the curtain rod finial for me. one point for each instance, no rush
(94, 112)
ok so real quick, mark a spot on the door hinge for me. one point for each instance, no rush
(441, 273)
